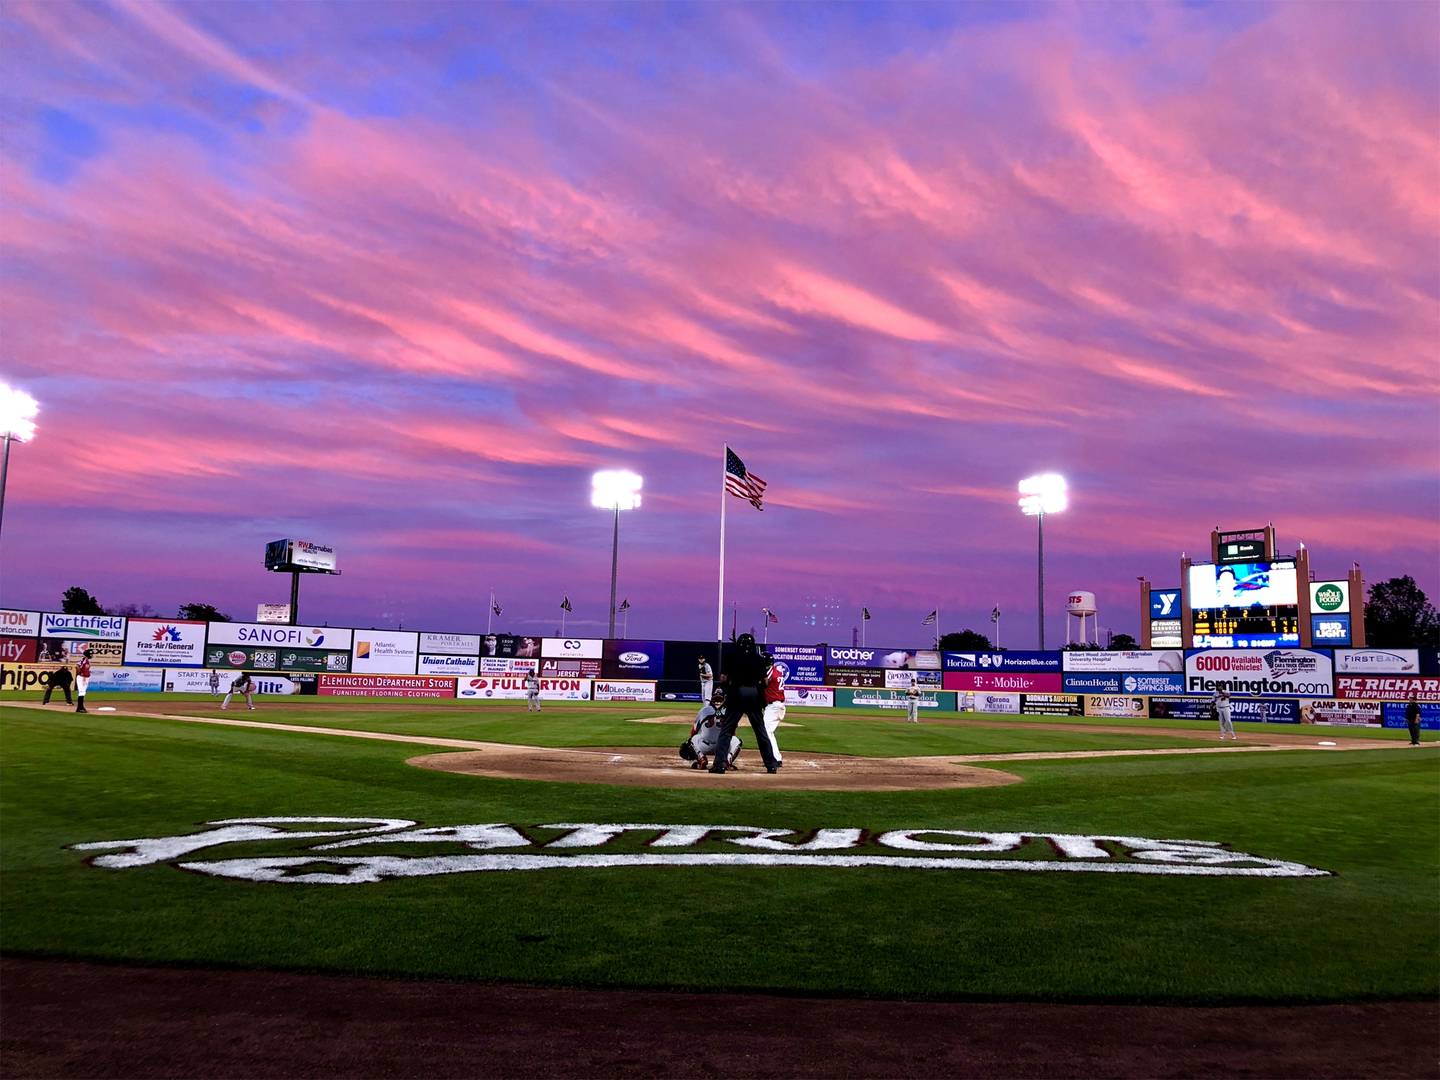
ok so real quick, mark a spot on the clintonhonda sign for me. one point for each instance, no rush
(1260, 672)
(342, 858)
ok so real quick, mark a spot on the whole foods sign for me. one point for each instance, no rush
(365, 851)
(1260, 672)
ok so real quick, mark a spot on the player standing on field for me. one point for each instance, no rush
(707, 681)
(774, 707)
(82, 680)
(1221, 702)
(243, 685)
(532, 692)
(912, 702)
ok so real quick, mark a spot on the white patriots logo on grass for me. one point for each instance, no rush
(829, 848)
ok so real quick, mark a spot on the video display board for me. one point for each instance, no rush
(1253, 605)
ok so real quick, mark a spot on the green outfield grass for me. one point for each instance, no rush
(1368, 932)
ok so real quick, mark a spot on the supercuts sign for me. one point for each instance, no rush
(362, 851)
(1260, 672)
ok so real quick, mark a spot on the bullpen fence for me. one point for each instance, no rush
(1280, 685)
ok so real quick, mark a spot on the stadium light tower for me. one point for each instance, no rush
(1041, 495)
(17, 422)
(615, 489)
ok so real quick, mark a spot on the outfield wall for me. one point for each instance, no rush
(147, 654)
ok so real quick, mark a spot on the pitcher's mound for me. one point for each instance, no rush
(650, 766)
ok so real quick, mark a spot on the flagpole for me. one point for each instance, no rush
(490, 614)
(720, 609)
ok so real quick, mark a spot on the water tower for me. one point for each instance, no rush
(1079, 605)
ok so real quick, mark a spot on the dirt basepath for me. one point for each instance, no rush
(649, 766)
(66, 1018)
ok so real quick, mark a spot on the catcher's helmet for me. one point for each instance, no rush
(717, 698)
(687, 751)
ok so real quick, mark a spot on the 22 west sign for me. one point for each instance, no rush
(1260, 672)
(357, 851)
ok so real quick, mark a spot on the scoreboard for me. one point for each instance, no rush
(1244, 605)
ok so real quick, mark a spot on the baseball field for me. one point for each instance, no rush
(1049, 861)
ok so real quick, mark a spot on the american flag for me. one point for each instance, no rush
(865, 614)
(566, 604)
(624, 606)
(740, 482)
(495, 606)
(770, 616)
(930, 618)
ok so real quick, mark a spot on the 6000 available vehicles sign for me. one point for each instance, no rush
(1260, 672)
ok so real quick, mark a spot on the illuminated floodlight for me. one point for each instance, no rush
(615, 489)
(1043, 494)
(17, 414)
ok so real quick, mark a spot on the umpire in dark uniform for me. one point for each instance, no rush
(744, 682)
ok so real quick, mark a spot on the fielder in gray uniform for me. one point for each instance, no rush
(912, 702)
(532, 692)
(1221, 702)
(707, 681)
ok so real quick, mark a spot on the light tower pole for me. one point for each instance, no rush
(17, 415)
(1041, 495)
(615, 490)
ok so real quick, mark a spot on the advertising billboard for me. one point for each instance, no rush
(451, 644)
(166, 642)
(1261, 672)
(903, 679)
(871, 677)
(512, 688)
(93, 627)
(810, 697)
(449, 664)
(1004, 661)
(1330, 597)
(981, 702)
(1124, 660)
(1166, 634)
(1330, 629)
(1243, 585)
(1116, 705)
(113, 680)
(271, 659)
(18, 650)
(401, 686)
(618, 690)
(1014, 683)
(1179, 708)
(1267, 711)
(198, 681)
(510, 645)
(1164, 604)
(275, 636)
(836, 656)
(802, 665)
(1394, 715)
(572, 648)
(556, 668)
(633, 660)
(313, 556)
(19, 623)
(1377, 662)
(71, 650)
(1332, 711)
(1168, 682)
(514, 665)
(25, 676)
(910, 659)
(385, 652)
(847, 698)
(1094, 683)
(1052, 704)
(1387, 687)
(682, 690)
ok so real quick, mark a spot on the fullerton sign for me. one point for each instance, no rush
(581, 846)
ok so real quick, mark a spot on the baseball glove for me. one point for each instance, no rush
(687, 751)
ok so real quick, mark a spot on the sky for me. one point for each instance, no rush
(399, 278)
